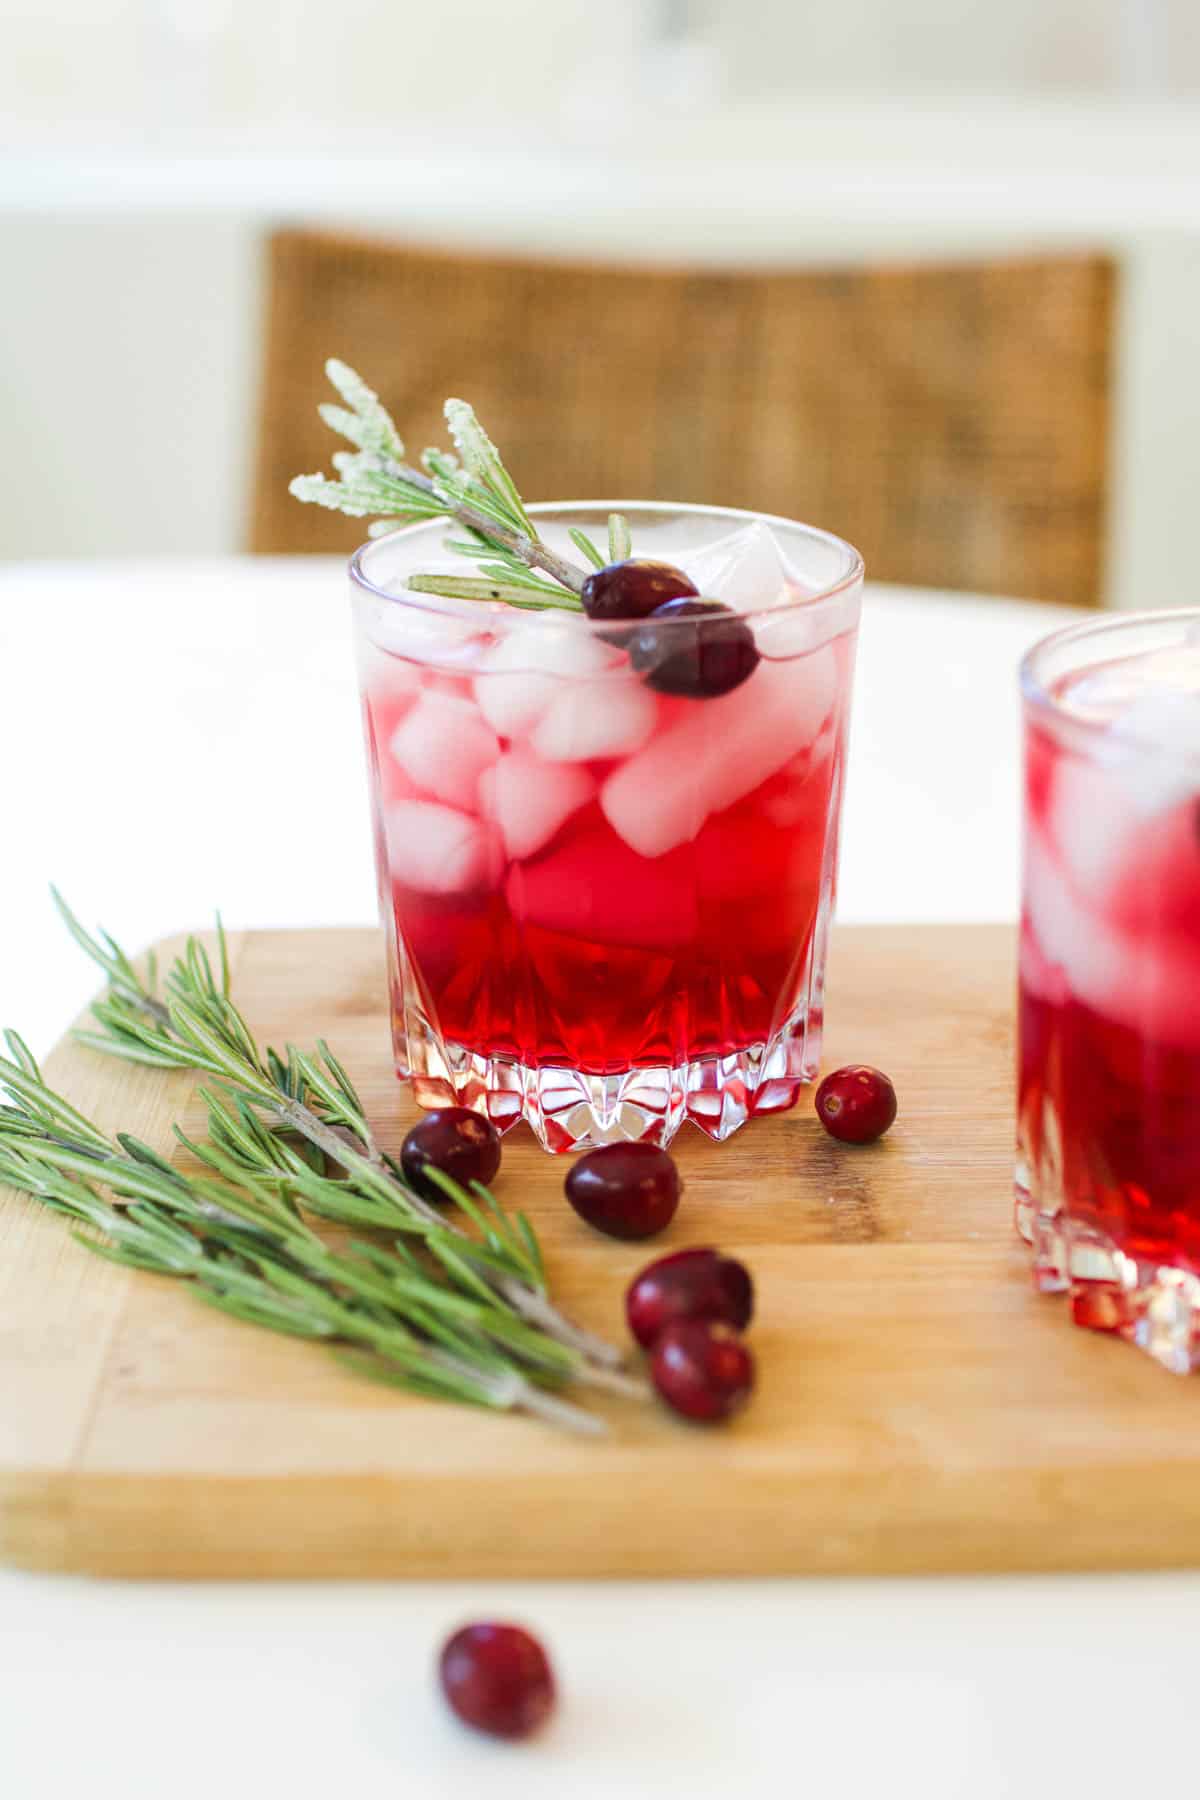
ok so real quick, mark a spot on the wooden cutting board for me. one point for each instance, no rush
(919, 1408)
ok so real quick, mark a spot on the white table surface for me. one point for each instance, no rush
(169, 732)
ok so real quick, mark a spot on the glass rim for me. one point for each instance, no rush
(824, 597)
(1038, 697)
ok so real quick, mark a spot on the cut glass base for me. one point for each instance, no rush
(1151, 1304)
(571, 1110)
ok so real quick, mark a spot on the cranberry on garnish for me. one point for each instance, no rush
(698, 661)
(497, 1678)
(702, 1370)
(691, 1284)
(625, 1190)
(856, 1104)
(633, 588)
(462, 1143)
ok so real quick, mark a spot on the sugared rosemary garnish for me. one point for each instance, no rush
(473, 487)
(422, 1303)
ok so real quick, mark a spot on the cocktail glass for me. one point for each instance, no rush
(606, 906)
(1108, 1175)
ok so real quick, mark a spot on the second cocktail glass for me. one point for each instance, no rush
(1108, 1176)
(607, 900)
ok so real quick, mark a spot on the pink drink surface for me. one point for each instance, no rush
(650, 902)
(1109, 1068)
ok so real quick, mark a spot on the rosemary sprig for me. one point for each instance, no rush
(274, 1123)
(472, 487)
(243, 1246)
(196, 1025)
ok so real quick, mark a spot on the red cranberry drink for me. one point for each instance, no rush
(1108, 1181)
(607, 838)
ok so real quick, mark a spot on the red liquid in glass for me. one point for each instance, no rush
(1109, 1067)
(589, 954)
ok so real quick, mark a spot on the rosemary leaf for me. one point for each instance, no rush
(482, 460)
(515, 576)
(374, 429)
(619, 541)
(467, 587)
(534, 1248)
(583, 542)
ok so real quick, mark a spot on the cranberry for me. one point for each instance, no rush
(856, 1104)
(633, 588)
(702, 1370)
(691, 1284)
(497, 1678)
(462, 1143)
(698, 661)
(625, 1190)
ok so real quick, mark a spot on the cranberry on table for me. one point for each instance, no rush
(698, 661)
(456, 1140)
(625, 1190)
(633, 588)
(497, 1679)
(691, 1284)
(856, 1104)
(702, 1370)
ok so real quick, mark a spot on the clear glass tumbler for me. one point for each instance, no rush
(606, 903)
(1108, 1172)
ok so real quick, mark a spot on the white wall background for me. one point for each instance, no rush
(337, 64)
(147, 146)
(1112, 47)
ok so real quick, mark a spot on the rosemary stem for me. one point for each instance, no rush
(355, 1162)
(530, 550)
(612, 1381)
(537, 1310)
(558, 1412)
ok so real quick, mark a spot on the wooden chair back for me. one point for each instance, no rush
(951, 421)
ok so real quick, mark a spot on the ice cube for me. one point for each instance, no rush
(1113, 691)
(381, 672)
(747, 570)
(527, 670)
(797, 629)
(438, 850)
(530, 799)
(719, 751)
(384, 709)
(1069, 936)
(423, 635)
(1144, 979)
(1153, 745)
(444, 746)
(1090, 834)
(610, 716)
